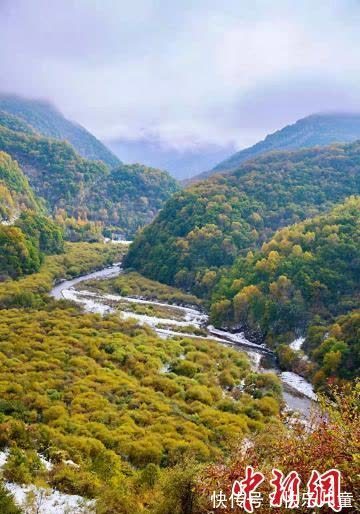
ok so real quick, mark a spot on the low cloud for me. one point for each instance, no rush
(189, 73)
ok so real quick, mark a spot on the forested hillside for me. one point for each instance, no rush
(15, 193)
(209, 224)
(26, 234)
(308, 269)
(125, 197)
(14, 123)
(316, 130)
(48, 121)
(306, 274)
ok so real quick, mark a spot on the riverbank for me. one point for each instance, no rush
(298, 394)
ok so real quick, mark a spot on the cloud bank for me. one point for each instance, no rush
(187, 73)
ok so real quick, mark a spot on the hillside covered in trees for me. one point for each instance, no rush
(135, 421)
(320, 129)
(26, 234)
(16, 194)
(124, 198)
(208, 225)
(45, 119)
(301, 281)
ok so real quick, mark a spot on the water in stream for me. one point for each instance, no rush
(298, 393)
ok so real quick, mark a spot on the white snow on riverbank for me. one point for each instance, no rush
(299, 384)
(88, 304)
(255, 359)
(297, 343)
(298, 394)
(49, 501)
(238, 338)
(189, 313)
(45, 500)
(59, 291)
(95, 302)
(117, 241)
(3, 457)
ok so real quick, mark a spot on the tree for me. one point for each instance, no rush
(7, 504)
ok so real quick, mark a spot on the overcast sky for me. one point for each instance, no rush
(187, 71)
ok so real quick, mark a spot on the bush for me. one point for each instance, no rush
(7, 504)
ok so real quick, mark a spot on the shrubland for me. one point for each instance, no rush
(92, 391)
(136, 285)
(78, 259)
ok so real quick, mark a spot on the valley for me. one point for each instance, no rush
(151, 336)
(297, 392)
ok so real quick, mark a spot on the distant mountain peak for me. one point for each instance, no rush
(317, 129)
(45, 118)
(182, 162)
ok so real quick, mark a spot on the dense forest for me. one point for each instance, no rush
(11, 122)
(46, 120)
(302, 278)
(26, 234)
(320, 129)
(335, 348)
(209, 224)
(217, 240)
(305, 270)
(24, 244)
(123, 199)
(16, 194)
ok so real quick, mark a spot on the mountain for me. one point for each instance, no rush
(306, 277)
(16, 194)
(125, 197)
(26, 234)
(12, 122)
(206, 226)
(314, 130)
(305, 270)
(45, 119)
(181, 163)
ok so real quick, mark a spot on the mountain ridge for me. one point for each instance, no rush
(48, 121)
(205, 226)
(124, 197)
(318, 129)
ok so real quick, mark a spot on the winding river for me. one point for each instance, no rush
(298, 393)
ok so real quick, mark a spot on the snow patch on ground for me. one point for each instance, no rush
(299, 384)
(48, 501)
(117, 241)
(297, 343)
(45, 501)
(238, 338)
(89, 304)
(3, 457)
(255, 359)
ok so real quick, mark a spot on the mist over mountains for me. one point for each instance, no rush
(319, 129)
(184, 163)
(181, 163)
(47, 120)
